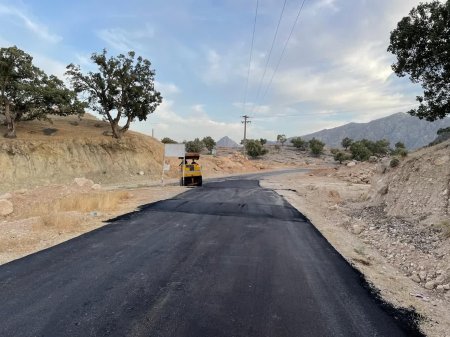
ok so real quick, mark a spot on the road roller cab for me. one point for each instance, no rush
(191, 171)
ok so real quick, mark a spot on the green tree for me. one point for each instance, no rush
(167, 140)
(27, 93)
(360, 151)
(195, 145)
(254, 148)
(346, 142)
(299, 143)
(316, 146)
(263, 141)
(421, 43)
(341, 156)
(281, 139)
(400, 145)
(209, 143)
(122, 87)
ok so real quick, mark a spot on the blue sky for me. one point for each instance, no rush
(335, 68)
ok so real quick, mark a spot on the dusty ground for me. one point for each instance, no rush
(334, 205)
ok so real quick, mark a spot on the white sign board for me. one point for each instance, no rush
(174, 150)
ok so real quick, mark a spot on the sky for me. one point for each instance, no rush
(335, 68)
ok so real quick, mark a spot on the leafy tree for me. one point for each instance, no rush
(167, 140)
(195, 145)
(346, 142)
(341, 156)
(299, 143)
(122, 87)
(27, 93)
(263, 141)
(254, 148)
(360, 151)
(209, 143)
(443, 130)
(316, 146)
(281, 139)
(400, 150)
(421, 43)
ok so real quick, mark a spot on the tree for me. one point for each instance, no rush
(400, 150)
(299, 143)
(421, 43)
(281, 139)
(195, 145)
(27, 93)
(360, 151)
(346, 142)
(341, 156)
(123, 87)
(209, 143)
(263, 141)
(254, 148)
(167, 140)
(400, 145)
(316, 146)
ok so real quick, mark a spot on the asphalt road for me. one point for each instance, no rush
(227, 259)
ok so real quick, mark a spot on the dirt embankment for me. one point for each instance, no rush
(393, 224)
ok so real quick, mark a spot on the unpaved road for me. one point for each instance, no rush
(227, 259)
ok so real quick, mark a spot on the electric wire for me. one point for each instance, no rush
(270, 52)
(281, 56)
(250, 59)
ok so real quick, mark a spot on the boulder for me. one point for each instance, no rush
(351, 164)
(6, 207)
(141, 173)
(357, 229)
(373, 159)
(415, 278)
(96, 187)
(423, 275)
(430, 285)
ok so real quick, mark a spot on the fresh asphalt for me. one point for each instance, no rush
(227, 259)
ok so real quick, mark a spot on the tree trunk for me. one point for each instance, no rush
(115, 130)
(10, 123)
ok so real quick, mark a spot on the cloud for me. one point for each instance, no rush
(167, 89)
(125, 40)
(32, 25)
(167, 123)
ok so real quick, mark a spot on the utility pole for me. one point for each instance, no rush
(245, 122)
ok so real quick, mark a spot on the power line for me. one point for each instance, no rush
(282, 54)
(270, 52)
(251, 52)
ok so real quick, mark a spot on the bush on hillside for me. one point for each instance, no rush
(254, 148)
(316, 146)
(299, 143)
(341, 156)
(394, 162)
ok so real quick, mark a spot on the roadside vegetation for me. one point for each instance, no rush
(254, 148)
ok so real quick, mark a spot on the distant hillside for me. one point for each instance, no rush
(412, 131)
(226, 142)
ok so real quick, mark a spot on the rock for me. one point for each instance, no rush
(415, 278)
(446, 286)
(6, 196)
(351, 164)
(83, 182)
(373, 159)
(383, 190)
(22, 191)
(357, 229)
(440, 289)
(423, 275)
(440, 279)
(430, 285)
(141, 173)
(441, 161)
(96, 187)
(6, 207)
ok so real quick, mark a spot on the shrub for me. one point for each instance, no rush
(341, 156)
(254, 148)
(394, 162)
(299, 143)
(316, 146)
(346, 142)
(360, 151)
(167, 140)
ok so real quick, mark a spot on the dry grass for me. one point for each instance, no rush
(83, 203)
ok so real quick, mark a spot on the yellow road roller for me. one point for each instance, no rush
(191, 171)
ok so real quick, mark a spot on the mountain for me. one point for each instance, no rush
(227, 142)
(399, 127)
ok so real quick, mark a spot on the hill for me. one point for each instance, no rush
(227, 142)
(399, 127)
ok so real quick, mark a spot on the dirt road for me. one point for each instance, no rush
(228, 259)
